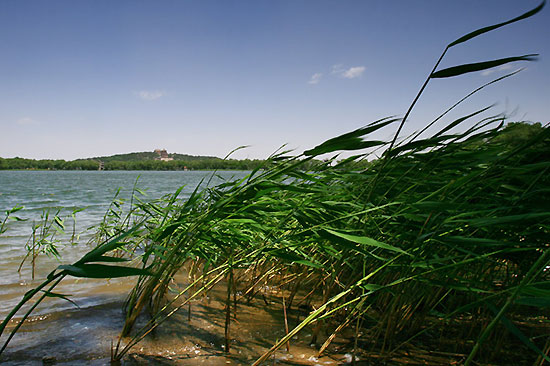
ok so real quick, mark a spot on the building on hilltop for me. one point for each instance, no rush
(163, 155)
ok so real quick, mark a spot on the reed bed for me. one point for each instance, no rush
(445, 243)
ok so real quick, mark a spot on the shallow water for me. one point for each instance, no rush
(61, 333)
(83, 337)
(91, 191)
(69, 190)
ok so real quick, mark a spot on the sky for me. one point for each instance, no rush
(93, 78)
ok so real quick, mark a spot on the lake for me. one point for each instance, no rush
(61, 333)
(92, 191)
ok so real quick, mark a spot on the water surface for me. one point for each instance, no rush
(68, 335)
(67, 191)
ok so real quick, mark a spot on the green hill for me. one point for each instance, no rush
(146, 160)
(148, 156)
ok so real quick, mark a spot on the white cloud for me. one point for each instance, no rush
(354, 72)
(315, 78)
(150, 94)
(27, 121)
(351, 73)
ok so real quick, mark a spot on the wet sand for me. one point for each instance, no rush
(83, 337)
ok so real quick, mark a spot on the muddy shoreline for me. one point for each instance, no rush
(84, 336)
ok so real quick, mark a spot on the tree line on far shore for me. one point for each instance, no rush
(513, 134)
(208, 163)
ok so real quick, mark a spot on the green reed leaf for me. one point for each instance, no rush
(421, 144)
(518, 333)
(15, 209)
(351, 140)
(496, 26)
(101, 271)
(479, 66)
(96, 254)
(511, 219)
(293, 257)
(366, 241)
(469, 241)
(61, 296)
(460, 120)
(539, 302)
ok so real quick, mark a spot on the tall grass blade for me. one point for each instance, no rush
(351, 140)
(479, 66)
(483, 30)
(101, 271)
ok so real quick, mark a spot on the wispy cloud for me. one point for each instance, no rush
(348, 73)
(315, 78)
(338, 70)
(150, 94)
(354, 72)
(495, 69)
(27, 121)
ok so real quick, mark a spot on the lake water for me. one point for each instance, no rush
(82, 336)
(91, 191)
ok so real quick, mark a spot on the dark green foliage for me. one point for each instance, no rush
(133, 161)
(20, 164)
(466, 216)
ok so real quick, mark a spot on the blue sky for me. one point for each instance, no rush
(91, 78)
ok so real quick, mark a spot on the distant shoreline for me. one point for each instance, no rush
(133, 161)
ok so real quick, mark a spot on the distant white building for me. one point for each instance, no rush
(163, 155)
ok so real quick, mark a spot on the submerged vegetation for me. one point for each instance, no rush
(442, 244)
